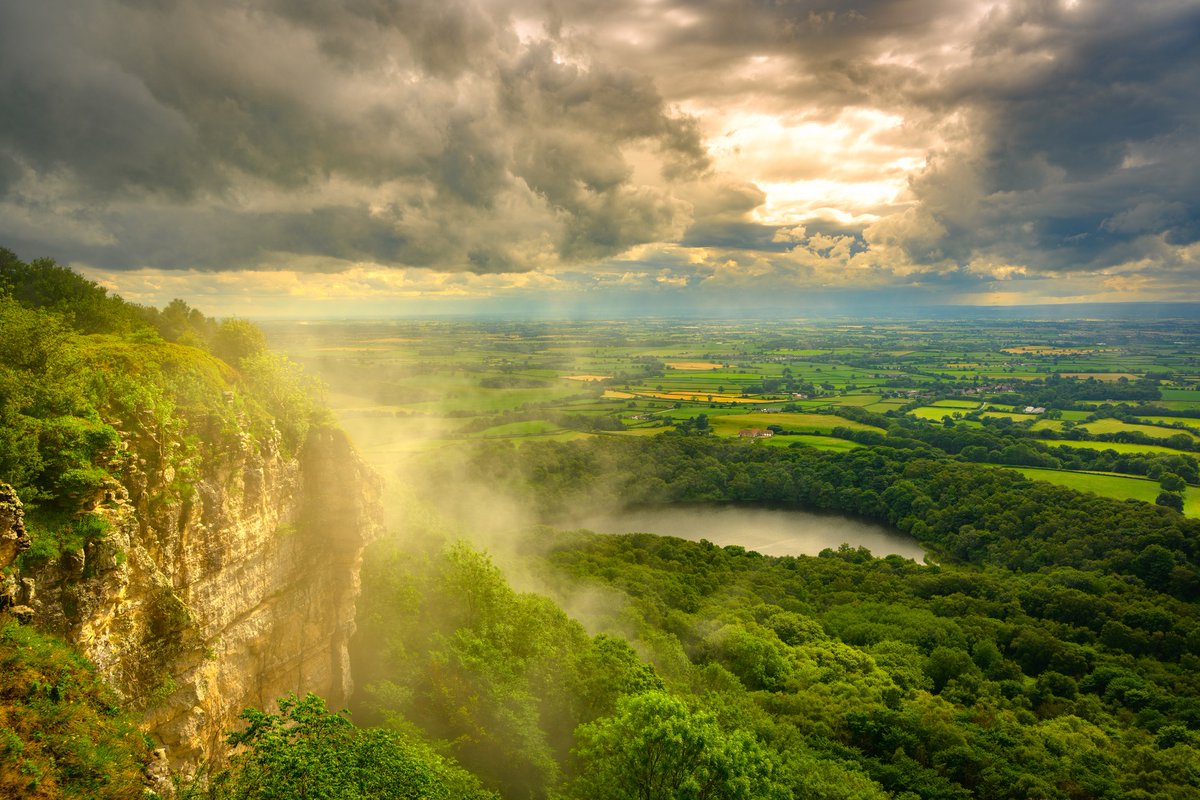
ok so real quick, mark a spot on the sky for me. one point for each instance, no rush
(306, 158)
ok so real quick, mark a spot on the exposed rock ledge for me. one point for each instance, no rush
(238, 591)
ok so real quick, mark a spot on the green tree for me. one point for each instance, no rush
(657, 748)
(1170, 482)
(236, 339)
(1170, 500)
(306, 752)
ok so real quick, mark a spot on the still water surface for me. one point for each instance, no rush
(770, 532)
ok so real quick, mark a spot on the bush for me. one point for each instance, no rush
(306, 751)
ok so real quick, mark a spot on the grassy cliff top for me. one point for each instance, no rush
(93, 387)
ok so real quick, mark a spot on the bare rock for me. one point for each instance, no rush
(13, 538)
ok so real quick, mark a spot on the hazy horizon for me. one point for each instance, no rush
(1109, 312)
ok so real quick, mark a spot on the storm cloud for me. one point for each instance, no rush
(406, 133)
(1046, 149)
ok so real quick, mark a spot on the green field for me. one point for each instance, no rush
(966, 405)
(531, 428)
(1189, 422)
(811, 440)
(730, 424)
(1122, 487)
(1013, 415)
(935, 413)
(1119, 447)
(1179, 405)
(860, 400)
(408, 386)
(884, 406)
(1117, 426)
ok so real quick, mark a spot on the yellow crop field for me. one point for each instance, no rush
(694, 365)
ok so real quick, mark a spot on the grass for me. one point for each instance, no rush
(1117, 426)
(935, 413)
(638, 432)
(730, 424)
(1179, 405)
(813, 441)
(1188, 395)
(536, 427)
(1190, 422)
(960, 404)
(61, 734)
(1119, 447)
(859, 400)
(885, 405)
(1013, 415)
(1121, 487)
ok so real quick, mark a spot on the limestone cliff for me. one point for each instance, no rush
(207, 593)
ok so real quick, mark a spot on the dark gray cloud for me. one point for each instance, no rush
(402, 123)
(1085, 150)
(1057, 136)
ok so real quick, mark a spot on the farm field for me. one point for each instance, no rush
(1119, 447)
(403, 388)
(730, 424)
(1117, 426)
(1189, 422)
(936, 413)
(1119, 486)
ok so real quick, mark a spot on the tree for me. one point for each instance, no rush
(1170, 500)
(236, 339)
(307, 752)
(657, 748)
(1170, 482)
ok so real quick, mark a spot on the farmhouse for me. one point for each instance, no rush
(755, 433)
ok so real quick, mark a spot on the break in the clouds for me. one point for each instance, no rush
(994, 152)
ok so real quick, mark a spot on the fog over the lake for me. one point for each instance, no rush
(767, 531)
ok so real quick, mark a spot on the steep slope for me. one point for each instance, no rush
(194, 608)
(195, 522)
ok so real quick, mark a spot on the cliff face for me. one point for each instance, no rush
(228, 588)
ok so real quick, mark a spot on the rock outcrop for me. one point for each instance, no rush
(13, 541)
(224, 589)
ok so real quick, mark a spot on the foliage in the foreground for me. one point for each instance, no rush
(531, 703)
(1054, 653)
(306, 752)
(941, 681)
(61, 732)
(842, 676)
(655, 746)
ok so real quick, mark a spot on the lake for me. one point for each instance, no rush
(770, 532)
